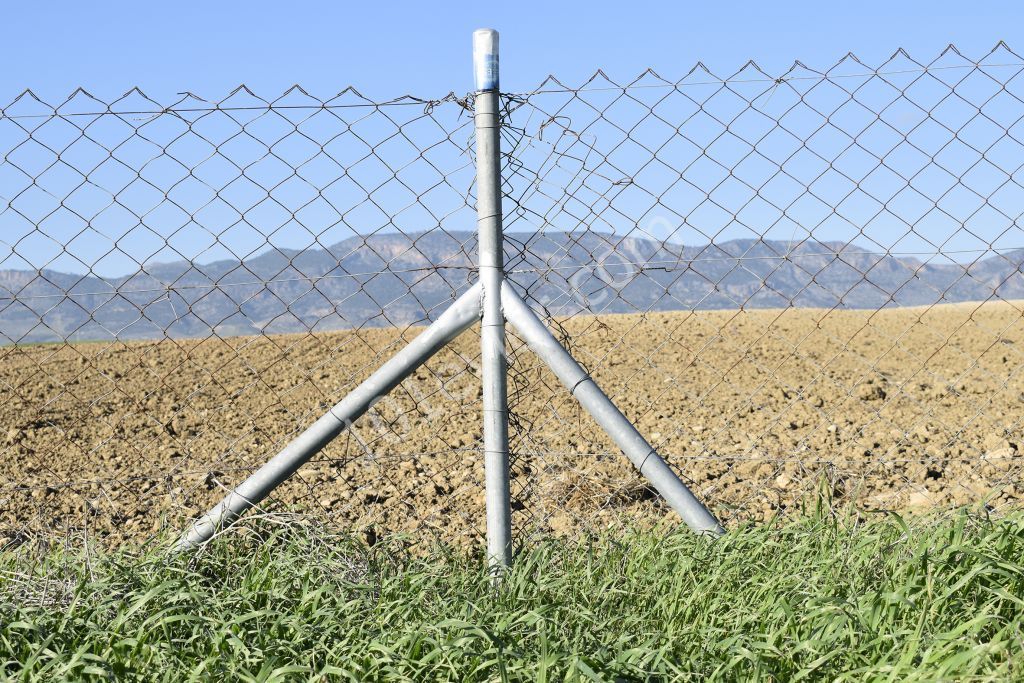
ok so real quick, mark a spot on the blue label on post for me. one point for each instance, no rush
(489, 77)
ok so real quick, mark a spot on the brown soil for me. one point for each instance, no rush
(897, 409)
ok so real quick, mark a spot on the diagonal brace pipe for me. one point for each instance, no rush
(604, 412)
(453, 322)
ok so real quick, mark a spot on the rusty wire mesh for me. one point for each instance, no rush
(797, 285)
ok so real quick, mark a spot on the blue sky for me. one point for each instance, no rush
(424, 49)
(388, 48)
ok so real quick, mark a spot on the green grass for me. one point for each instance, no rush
(821, 598)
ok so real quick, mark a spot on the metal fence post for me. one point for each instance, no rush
(492, 331)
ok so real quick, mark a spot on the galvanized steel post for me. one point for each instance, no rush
(492, 331)
(491, 300)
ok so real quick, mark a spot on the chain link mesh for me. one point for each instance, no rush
(801, 288)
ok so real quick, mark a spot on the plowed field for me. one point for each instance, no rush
(896, 409)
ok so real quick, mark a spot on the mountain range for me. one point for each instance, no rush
(396, 279)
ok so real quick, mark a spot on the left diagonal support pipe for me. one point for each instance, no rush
(608, 417)
(453, 322)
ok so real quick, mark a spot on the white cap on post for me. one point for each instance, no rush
(485, 59)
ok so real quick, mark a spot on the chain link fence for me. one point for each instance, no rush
(801, 288)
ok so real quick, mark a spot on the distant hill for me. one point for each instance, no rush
(394, 279)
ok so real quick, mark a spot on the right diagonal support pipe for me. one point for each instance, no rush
(604, 412)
